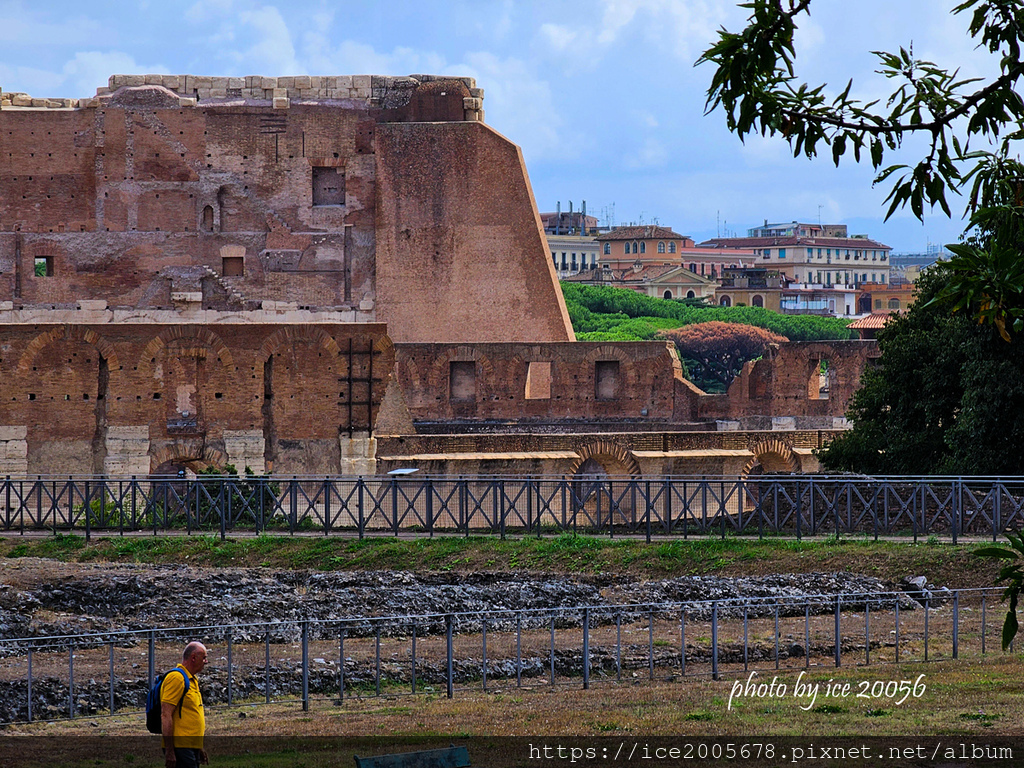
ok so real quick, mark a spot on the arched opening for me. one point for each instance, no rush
(207, 224)
(757, 300)
(691, 295)
(818, 383)
(668, 294)
(725, 301)
(894, 303)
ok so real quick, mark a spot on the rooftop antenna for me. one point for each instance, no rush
(819, 215)
(718, 223)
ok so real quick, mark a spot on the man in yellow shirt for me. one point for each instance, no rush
(184, 724)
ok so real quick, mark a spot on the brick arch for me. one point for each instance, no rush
(194, 454)
(774, 447)
(68, 333)
(606, 352)
(301, 333)
(463, 353)
(609, 450)
(180, 332)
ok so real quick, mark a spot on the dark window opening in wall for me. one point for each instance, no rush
(606, 379)
(328, 186)
(43, 266)
(462, 380)
(668, 294)
(691, 295)
(233, 266)
(757, 300)
(208, 219)
(538, 381)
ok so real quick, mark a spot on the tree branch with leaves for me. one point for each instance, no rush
(755, 84)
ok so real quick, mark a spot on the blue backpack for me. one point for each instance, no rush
(153, 720)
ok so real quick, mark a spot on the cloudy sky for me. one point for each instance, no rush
(602, 95)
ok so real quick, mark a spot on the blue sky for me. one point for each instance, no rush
(602, 95)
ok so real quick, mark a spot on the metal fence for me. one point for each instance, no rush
(796, 505)
(300, 662)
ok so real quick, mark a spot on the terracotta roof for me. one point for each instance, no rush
(816, 242)
(645, 232)
(871, 322)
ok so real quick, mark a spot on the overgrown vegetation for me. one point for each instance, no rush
(601, 313)
(564, 553)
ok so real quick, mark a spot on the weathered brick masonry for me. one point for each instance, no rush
(274, 271)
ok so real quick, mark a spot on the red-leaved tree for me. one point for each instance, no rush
(716, 351)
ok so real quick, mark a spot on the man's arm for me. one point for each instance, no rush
(167, 726)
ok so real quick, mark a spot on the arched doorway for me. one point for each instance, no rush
(667, 294)
(601, 495)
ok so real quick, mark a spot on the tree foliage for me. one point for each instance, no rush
(716, 351)
(756, 86)
(1013, 573)
(947, 397)
(601, 313)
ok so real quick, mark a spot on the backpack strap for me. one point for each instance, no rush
(181, 701)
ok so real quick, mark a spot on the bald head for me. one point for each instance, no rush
(194, 657)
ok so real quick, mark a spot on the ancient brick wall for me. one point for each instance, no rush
(131, 398)
(543, 383)
(790, 382)
(458, 236)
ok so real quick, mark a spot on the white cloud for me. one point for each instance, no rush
(273, 47)
(89, 70)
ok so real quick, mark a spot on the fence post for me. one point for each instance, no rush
(152, 658)
(266, 667)
(360, 486)
(714, 641)
(341, 665)
(586, 648)
(30, 683)
(682, 640)
(305, 665)
(449, 651)
(956, 624)
(71, 681)
(958, 505)
(231, 698)
(839, 650)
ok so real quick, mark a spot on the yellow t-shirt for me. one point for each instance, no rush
(191, 726)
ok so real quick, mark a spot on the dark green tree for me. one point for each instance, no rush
(755, 84)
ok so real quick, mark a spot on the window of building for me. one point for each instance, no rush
(667, 295)
(564, 263)
(626, 248)
(894, 303)
(232, 266)
(757, 300)
(693, 268)
(671, 247)
(725, 301)
(643, 248)
(328, 186)
(883, 280)
(43, 266)
(661, 247)
(462, 380)
(782, 253)
(208, 219)
(538, 381)
(607, 249)
(863, 277)
(878, 303)
(606, 379)
(767, 253)
(884, 254)
(810, 252)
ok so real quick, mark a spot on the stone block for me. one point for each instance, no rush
(218, 93)
(344, 82)
(469, 103)
(134, 81)
(783, 423)
(280, 93)
(315, 81)
(204, 81)
(153, 79)
(362, 81)
(219, 83)
(13, 433)
(723, 425)
(38, 102)
(282, 103)
(301, 81)
(237, 82)
(6, 103)
(476, 93)
(268, 83)
(366, 305)
(308, 93)
(92, 304)
(172, 82)
(21, 100)
(186, 101)
(116, 81)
